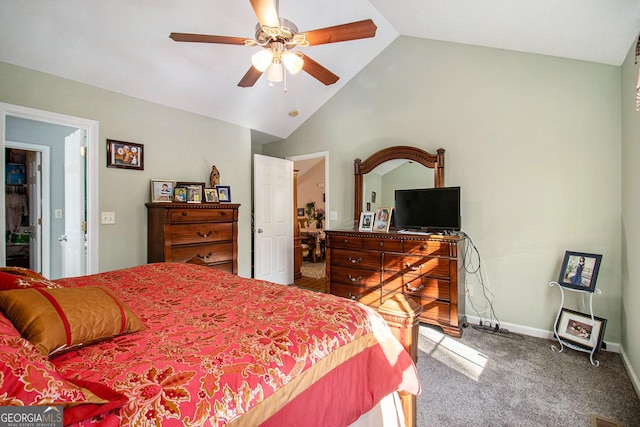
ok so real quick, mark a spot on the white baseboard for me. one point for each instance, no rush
(541, 333)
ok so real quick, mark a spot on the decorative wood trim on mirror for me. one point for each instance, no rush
(432, 161)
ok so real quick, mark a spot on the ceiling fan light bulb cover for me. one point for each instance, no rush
(293, 62)
(275, 72)
(261, 60)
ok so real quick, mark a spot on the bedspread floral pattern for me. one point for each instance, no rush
(214, 344)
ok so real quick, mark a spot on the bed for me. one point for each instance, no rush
(192, 346)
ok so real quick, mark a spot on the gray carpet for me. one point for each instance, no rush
(492, 380)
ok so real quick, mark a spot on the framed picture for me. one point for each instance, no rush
(577, 328)
(368, 206)
(383, 220)
(125, 155)
(161, 190)
(300, 211)
(211, 195)
(224, 193)
(373, 197)
(366, 221)
(180, 194)
(186, 185)
(194, 194)
(580, 271)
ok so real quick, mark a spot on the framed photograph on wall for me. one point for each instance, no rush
(125, 155)
(161, 190)
(580, 271)
(383, 220)
(578, 328)
(224, 193)
(366, 221)
(211, 195)
(300, 211)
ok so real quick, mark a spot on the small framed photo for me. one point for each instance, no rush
(180, 194)
(211, 195)
(125, 155)
(578, 328)
(300, 211)
(161, 190)
(383, 220)
(366, 221)
(224, 193)
(580, 271)
(373, 197)
(194, 194)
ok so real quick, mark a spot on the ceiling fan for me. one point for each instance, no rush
(277, 36)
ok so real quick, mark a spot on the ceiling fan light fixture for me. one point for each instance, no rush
(292, 62)
(275, 72)
(262, 59)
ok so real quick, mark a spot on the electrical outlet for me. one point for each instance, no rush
(108, 217)
(333, 215)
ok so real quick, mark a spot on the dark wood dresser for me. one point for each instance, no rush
(178, 232)
(373, 267)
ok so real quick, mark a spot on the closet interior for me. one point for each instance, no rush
(16, 208)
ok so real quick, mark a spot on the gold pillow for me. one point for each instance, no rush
(55, 320)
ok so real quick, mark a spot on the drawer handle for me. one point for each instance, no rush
(381, 244)
(355, 261)
(354, 279)
(423, 247)
(410, 289)
(207, 234)
(354, 297)
(184, 213)
(206, 256)
(345, 241)
(412, 268)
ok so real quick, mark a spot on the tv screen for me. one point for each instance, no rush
(428, 209)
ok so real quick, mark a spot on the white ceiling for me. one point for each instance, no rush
(123, 45)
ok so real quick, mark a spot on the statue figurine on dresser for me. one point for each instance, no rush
(214, 178)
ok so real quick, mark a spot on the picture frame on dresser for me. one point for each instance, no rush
(382, 220)
(224, 193)
(580, 270)
(194, 194)
(578, 329)
(366, 221)
(162, 190)
(211, 195)
(180, 195)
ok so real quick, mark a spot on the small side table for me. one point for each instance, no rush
(564, 343)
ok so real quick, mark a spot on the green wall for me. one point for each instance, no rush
(178, 145)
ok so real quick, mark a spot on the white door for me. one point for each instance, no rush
(273, 219)
(34, 181)
(73, 240)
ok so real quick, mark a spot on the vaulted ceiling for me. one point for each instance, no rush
(124, 46)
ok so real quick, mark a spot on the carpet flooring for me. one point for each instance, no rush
(493, 379)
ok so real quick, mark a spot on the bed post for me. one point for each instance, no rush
(403, 317)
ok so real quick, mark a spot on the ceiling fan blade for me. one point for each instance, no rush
(266, 13)
(203, 38)
(342, 33)
(250, 78)
(316, 70)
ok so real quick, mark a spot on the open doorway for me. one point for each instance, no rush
(85, 131)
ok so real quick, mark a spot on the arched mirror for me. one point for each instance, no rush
(405, 161)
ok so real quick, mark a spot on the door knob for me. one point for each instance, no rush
(62, 238)
(260, 230)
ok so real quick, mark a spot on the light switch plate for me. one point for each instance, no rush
(333, 215)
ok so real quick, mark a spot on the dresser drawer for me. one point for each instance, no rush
(427, 248)
(346, 242)
(357, 259)
(201, 215)
(380, 244)
(438, 267)
(209, 253)
(420, 286)
(433, 310)
(184, 234)
(355, 276)
(370, 297)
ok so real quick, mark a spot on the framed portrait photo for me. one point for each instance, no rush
(382, 220)
(580, 271)
(180, 194)
(125, 155)
(578, 329)
(194, 194)
(366, 221)
(224, 193)
(161, 190)
(211, 195)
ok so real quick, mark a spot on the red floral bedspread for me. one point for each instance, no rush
(223, 350)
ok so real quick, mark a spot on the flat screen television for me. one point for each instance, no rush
(428, 209)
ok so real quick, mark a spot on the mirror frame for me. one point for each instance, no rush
(432, 161)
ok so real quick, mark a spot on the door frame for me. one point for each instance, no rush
(91, 128)
(45, 201)
(325, 155)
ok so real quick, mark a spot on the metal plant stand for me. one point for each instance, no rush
(564, 343)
